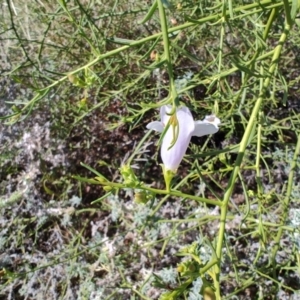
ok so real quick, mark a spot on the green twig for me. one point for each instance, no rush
(286, 202)
(245, 141)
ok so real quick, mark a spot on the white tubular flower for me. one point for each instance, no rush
(181, 126)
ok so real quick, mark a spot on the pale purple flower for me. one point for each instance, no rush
(184, 127)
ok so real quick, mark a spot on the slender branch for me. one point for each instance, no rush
(242, 149)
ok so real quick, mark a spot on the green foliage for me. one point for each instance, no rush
(84, 210)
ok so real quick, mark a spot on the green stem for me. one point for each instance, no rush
(287, 9)
(156, 191)
(261, 231)
(286, 202)
(165, 35)
(259, 5)
(158, 206)
(241, 153)
(208, 266)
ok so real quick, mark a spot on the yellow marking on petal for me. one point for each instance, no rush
(175, 128)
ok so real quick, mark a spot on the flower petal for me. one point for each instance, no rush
(173, 156)
(156, 125)
(208, 126)
(164, 110)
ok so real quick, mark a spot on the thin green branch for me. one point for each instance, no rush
(155, 191)
(261, 5)
(167, 55)
(286, 202)
(244, 143)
